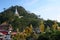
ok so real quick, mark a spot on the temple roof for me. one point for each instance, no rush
(5, 26)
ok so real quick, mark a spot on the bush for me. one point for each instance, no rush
(49, 36)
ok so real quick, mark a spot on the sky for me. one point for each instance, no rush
(47, 9)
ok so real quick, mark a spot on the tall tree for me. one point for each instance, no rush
(42, 27)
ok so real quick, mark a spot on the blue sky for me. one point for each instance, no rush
(48, 9)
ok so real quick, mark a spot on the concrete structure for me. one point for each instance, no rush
(17, 14)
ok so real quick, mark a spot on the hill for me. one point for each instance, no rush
(27, 19)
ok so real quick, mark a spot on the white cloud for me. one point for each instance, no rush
(49, 12)
(49, 9)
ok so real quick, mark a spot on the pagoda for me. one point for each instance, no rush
(17, 14)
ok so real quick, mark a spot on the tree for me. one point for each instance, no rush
(54, 26)
(31, 28)
(41, 26)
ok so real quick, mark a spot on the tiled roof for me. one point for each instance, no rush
(4, 27)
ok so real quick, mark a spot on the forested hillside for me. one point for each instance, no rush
(28, 18)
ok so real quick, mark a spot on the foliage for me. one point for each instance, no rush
(50, 36)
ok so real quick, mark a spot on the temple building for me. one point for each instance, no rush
(5, 28)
